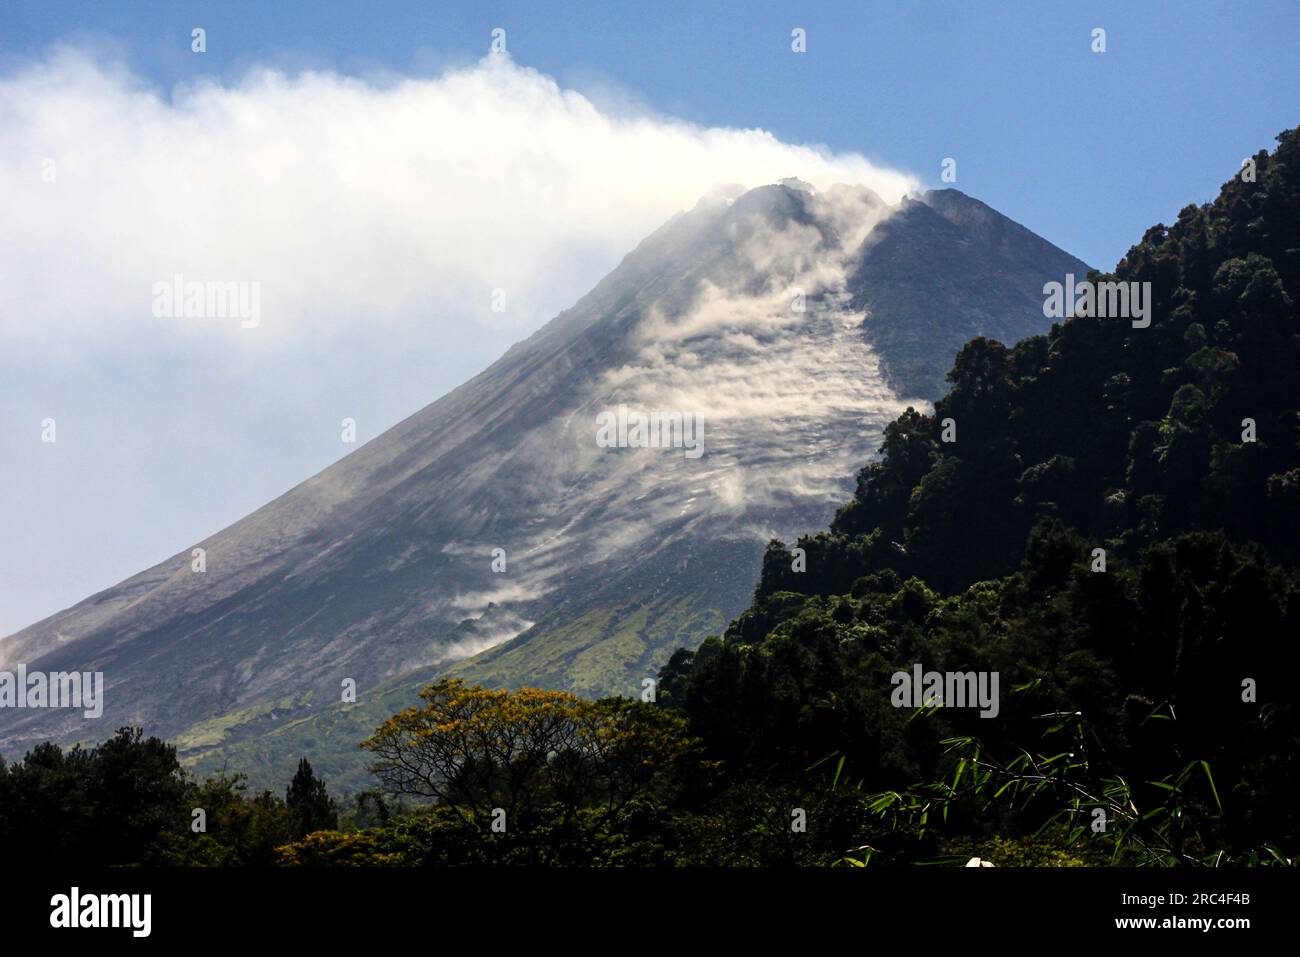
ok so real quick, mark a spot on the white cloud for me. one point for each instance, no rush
(378, 216)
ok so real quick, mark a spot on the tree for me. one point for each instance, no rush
(310, 805)
(239, 830)
(476, 750)
(109, 805)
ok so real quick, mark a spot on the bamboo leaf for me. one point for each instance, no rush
(1213, 790)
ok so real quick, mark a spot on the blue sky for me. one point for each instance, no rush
(382, 200)
(1086, 149)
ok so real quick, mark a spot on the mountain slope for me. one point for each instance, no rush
(982, 270)
(934, 273)
(747, 312)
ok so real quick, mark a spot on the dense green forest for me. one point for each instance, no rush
(1104, 516)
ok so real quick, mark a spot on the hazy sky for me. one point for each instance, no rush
(381, 182)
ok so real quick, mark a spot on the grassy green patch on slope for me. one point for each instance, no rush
(607, 651)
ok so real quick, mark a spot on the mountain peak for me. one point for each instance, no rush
(987, 224)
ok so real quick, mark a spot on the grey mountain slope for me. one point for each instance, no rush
(380, 565)
(299, 571)
(984, 278)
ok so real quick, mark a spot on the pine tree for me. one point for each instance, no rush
(309, 803)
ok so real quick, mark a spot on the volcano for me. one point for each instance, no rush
(491, 535)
